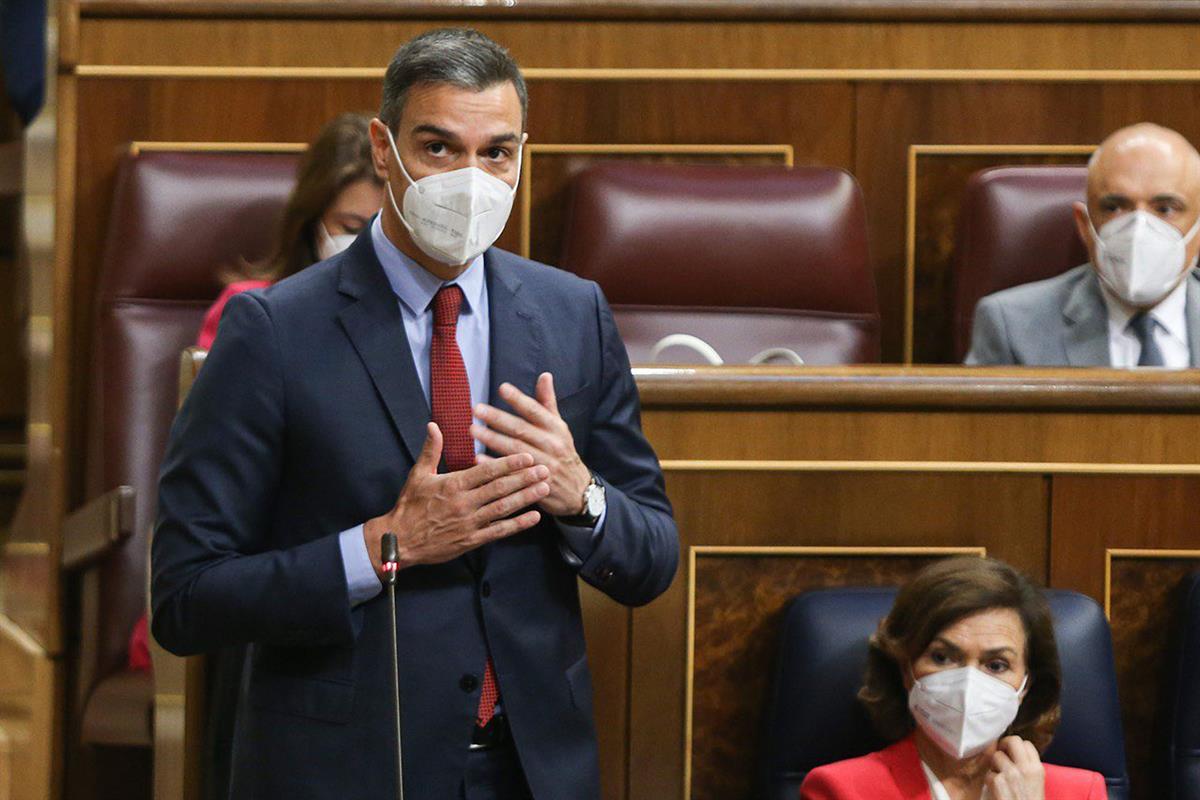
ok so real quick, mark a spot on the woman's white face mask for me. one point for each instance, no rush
(329, 245)
(964, 710)
(1141, 258)
(454, 216)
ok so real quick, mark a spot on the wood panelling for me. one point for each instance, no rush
(1004, 514)
(939, 184)
(784, 44)
(761, 10)
(913, 435)
(1144, 614)
(1092, 515)
(738, 603)
(29, 768)
(606, 626)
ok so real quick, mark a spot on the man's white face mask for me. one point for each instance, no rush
(1140, 257)
(964, 710)
(454, 216)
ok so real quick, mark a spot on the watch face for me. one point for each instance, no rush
(595, 500)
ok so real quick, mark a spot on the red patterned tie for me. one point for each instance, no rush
(450, 394)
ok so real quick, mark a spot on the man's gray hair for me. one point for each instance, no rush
(458, 56)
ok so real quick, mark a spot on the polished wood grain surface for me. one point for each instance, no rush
(1145, 622)
(973, 388)
(680, 44)
(950, 10)
(30, 766)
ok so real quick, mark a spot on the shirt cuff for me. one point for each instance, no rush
(361, 581)
(578, 542)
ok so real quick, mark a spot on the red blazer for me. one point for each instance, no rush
(895, 773)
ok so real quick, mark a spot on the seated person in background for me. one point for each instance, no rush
(963, 676)
(337, 192)
(1138, 302)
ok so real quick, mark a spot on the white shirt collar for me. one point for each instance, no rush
(937, 791)
(1170, 313)
(415, 285)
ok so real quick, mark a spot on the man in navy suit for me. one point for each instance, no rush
(478, 405)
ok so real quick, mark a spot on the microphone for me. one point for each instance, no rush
(390, 557)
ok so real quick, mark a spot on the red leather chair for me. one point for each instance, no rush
(1015, 227)
(178, 220)
(743, 259)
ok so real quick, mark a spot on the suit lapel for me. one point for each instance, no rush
(517, 342)
(1191, 315)
(1086, 317)
(376, 329)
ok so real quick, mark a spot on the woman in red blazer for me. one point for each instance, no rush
(963, 676)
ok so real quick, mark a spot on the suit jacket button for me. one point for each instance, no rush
(485, 589)
(468, 683)
(604, 574)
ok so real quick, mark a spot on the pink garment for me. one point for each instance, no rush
(139, 640)
(208, 330)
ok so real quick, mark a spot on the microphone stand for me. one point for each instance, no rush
(390, 558)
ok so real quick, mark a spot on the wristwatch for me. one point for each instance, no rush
(593, 506)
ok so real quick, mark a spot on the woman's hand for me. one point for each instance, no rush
(1017, 772)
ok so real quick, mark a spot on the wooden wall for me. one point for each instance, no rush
(908, 96)
(777, 491)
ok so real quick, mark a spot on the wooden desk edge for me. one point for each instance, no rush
(878, 387)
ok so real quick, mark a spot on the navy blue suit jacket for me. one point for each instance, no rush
(305, 421)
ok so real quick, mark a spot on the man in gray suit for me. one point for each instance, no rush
(1137, 302)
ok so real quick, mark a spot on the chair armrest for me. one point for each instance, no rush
(93, 530)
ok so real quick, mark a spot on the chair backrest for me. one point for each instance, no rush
(178, 220)
(824, 644)
(744, 259)
(1183, 751)
(1015, 227)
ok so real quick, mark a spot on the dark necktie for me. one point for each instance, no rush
(1142, 324)
(450, 399)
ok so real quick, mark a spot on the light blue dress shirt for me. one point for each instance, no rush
(415, 288)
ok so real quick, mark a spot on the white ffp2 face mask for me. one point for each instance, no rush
(329, 245)
(1140, 257)
(964, 710)
(454, 216)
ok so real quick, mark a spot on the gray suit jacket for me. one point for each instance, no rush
(1061, 321)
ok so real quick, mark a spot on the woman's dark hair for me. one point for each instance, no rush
(939, 596)
(340, 156)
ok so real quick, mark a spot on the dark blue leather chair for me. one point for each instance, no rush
(813, 716)
(1184, 750)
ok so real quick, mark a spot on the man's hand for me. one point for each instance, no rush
(540, 432)
(1017, 772)
(440, 517)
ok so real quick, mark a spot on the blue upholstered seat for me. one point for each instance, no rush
(813, 717)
